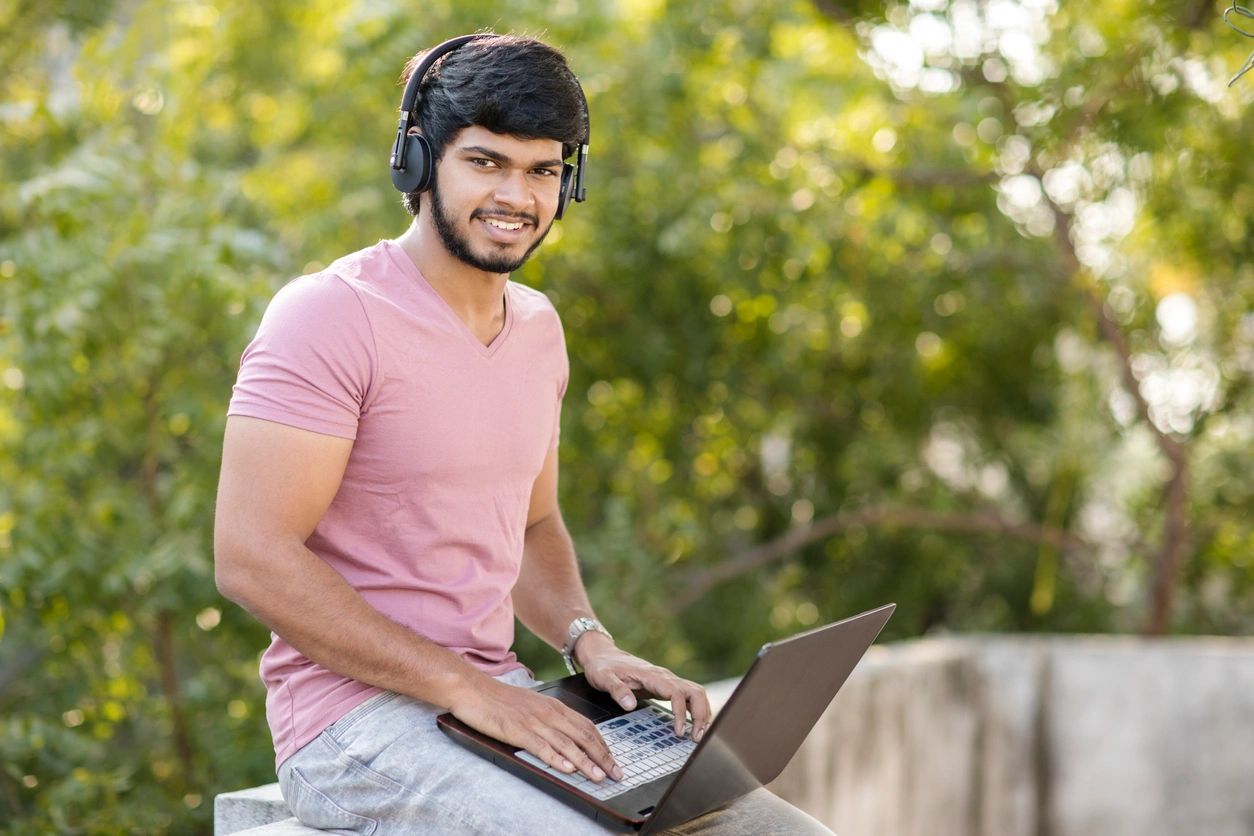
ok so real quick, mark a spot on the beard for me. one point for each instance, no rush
(458, 244)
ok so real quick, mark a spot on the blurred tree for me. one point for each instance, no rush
(946, 302)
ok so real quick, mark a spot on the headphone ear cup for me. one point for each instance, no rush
(565, 191)
(416, 175)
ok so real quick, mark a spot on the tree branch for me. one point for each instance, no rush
(25, 659)
(701, 581)
(1171, 554)
(1110, 330)
(835, 11)
(923, 177)
(1127, 79)
(1170, 558)
(1196, 14)
(164, 640)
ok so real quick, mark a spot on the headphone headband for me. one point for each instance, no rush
(410, 175)
(434, 54)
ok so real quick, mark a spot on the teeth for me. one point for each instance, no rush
(502, 224)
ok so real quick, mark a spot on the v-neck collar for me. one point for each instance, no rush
(402, 260)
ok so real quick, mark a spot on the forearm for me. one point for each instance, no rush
(550, 594)
(306, 602)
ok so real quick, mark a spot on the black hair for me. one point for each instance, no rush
(505, 83)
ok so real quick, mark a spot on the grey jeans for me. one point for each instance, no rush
(386, 768)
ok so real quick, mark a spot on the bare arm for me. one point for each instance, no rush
(549, 595)
(276, 484)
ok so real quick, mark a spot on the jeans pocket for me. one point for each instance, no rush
(357, 712)
(314, 809)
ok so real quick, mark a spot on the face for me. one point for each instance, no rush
(495, 196)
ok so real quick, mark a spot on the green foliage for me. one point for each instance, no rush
(825, 282)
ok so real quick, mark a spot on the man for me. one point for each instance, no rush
(388, 499)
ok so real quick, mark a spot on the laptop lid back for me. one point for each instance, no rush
(787, 688)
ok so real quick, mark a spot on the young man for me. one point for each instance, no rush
(388, 499)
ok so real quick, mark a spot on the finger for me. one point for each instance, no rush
(667, 686)
(699, 705)
(580, 742)
(593, 745)
(679, 705)
(571, 751)
(577, 747)
(618, 689)
(541, 748)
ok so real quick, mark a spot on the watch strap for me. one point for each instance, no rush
(577, 628)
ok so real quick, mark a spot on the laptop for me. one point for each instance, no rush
(669, 780)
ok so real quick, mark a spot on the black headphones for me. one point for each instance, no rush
(413, 160)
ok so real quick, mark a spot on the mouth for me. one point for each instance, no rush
(510, 226)
(506, 229)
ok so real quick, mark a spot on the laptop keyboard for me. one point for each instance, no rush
(643, 744)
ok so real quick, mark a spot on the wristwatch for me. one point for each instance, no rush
(576, 629)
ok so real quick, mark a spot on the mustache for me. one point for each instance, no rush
(509, 217)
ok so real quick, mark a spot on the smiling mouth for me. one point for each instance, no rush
(505, 221)
(511, 226)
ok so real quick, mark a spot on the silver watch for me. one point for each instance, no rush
(576, 629)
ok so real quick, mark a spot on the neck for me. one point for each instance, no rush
(474, 295)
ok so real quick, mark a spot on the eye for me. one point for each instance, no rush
(482, 162)
(545, 172)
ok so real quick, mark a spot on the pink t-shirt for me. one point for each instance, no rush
(449, 436)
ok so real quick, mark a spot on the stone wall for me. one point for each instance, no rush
(1064, 736)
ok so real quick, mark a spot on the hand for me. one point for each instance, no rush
(618, 673)
(557, 735)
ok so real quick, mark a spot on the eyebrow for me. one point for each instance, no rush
(497, 156)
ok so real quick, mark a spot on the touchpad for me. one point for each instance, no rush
(593, 712)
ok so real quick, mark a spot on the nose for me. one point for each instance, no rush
(513, 190)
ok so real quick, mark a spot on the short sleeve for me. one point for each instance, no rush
(313, 362)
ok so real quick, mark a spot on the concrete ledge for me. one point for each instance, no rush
(256, 811)
(284, 827)
(1018, 736)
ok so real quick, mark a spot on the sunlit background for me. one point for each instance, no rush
(943, 303)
